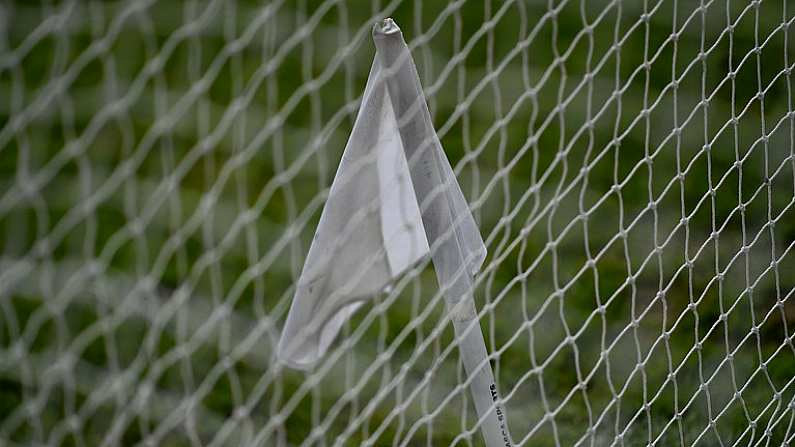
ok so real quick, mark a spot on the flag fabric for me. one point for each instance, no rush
(371, 229)
(394, 200)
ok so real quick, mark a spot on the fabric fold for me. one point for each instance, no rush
(372, 229)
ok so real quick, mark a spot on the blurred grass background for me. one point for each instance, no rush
(163, 166)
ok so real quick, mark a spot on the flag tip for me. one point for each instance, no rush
(385, 27)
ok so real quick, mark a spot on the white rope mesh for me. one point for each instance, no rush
(630, 164)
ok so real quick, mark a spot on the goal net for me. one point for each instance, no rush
(630, 166)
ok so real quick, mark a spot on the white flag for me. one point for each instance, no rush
(394, 195)
(371, 229)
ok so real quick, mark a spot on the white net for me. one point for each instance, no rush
(630, 164)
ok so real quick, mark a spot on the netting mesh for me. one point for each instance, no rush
(631, 165)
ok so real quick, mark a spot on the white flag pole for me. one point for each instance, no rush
(435, 187)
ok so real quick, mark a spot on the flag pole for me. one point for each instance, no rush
(433, 182)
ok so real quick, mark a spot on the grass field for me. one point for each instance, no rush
(631, 165)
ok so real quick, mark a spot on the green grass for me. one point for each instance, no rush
(187, 260)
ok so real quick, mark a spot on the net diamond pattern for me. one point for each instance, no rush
(631, 165)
